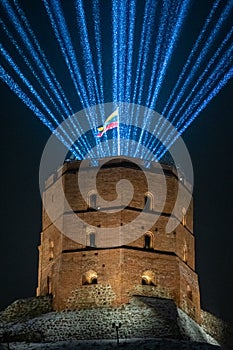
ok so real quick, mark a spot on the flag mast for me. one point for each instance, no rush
(118, 133)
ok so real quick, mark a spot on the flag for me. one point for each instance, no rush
(110, 123)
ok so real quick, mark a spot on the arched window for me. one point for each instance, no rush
(183, 216)
(189, 293)
(92, 239)
(185, 252)
(90, 277)
(148, 201)
(148, 244)
(93, 201)
(148, 278)
(49, 287)
(51, 250)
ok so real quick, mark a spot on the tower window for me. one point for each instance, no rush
(184, 217)
(93, 201)
(146, 281)
(94, 281)
(90, 277)
(189, 293)
(92, 240)
(148, 241)
(148, 278)
(51, 250)
(148, 201)
(185, 253)
(49, 287)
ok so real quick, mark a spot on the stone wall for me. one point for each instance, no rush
(217, 328)
(90, 296)
(27, 308)
(142, 318)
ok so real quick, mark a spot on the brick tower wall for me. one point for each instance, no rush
(169, 261)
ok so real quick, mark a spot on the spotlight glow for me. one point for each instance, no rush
(142, 41)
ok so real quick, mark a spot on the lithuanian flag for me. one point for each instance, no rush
(110, 123)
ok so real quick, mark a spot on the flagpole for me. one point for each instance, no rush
(118, 134)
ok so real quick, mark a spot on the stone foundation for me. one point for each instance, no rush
(24, 309)
(144, 317)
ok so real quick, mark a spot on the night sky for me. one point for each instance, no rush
(208, 139)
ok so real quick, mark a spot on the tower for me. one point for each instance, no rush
(157, 264)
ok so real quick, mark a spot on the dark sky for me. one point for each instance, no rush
(209, 141)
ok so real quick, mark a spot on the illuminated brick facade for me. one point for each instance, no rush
(156, 264)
